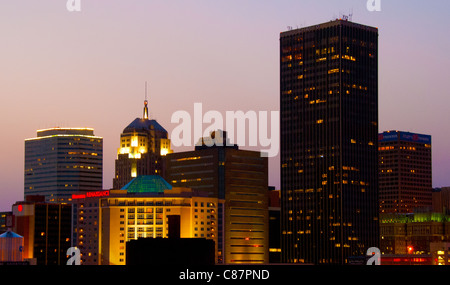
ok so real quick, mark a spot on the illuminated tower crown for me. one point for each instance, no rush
(143, 143)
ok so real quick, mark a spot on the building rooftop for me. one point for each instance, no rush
(404, 136)
(64, 132)
(147, 184)
(333, 23)
(10, 234)
(142, 125)
(414, 218)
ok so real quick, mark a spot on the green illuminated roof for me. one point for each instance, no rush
(414, 218)
(430, 217)
(147, 184)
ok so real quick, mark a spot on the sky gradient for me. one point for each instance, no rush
(88, 68)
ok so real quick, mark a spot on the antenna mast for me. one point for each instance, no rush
(145, 90)
(146, 103)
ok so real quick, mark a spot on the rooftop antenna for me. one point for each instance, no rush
(146, 103)
(345, 17)
(145, 90)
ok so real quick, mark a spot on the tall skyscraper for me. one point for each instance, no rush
(240, 177)
(329, 139)
(60, 162)
(405, 172)
(143, 143)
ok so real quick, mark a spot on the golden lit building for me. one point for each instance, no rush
(143, 143)
(140, 210)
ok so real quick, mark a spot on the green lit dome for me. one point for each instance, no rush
(147, 184)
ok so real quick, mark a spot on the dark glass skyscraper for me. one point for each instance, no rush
(237, 176)
(329, 142)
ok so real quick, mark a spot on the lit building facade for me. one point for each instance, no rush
(329, 142)
(5, 221)
(439, 255)
(143, 143)
(141, 209)
(240, 178)
(274, 226)
(413, 234)
(46, 229)
(405, 175)
(62, 161)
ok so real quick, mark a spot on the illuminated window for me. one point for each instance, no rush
(286, 58)
(336, 70)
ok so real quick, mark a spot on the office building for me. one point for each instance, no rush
(141, 209)
(143, 143)
(441, 200)
(439, 255)
(62, 161)
(329, 142)
(240, 177)
(274, 226)
(46, 229)
(413, 233)
(5, 221)
(404, 172)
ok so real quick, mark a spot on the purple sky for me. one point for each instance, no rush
(88, 68)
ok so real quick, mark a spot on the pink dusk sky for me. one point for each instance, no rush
(89, 68)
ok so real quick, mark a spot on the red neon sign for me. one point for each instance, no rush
(91, 194)
(97, 194)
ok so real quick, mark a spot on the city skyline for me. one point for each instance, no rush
(88, 68)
